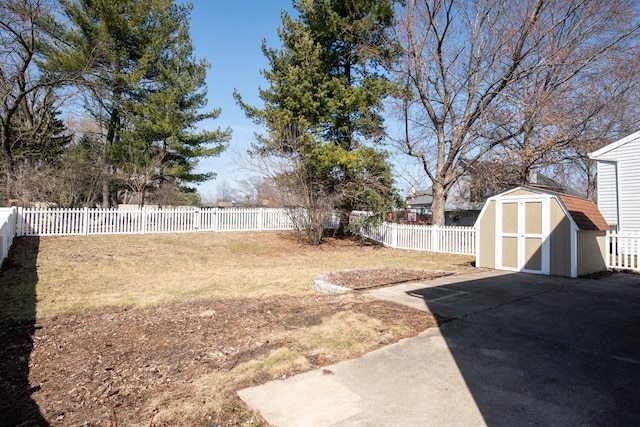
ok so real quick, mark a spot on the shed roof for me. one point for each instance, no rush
(584, 212)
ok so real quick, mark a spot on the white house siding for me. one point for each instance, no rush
(626, 152)
(607, 194)
(629, 182)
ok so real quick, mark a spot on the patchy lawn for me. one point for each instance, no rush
(163, 329)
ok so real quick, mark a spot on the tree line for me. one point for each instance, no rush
(517, 86)
(129, 69)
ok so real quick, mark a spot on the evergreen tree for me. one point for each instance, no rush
(349, 34)
(322, 110)
(144, 86)
(38, 134)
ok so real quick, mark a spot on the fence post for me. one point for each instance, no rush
(12, 222)
(197, 219)
(215, 219)
(85, 221)
(144, 219)
(19, 222)
(4, 240)
(435, 238)
(394, 235)
(611, 249)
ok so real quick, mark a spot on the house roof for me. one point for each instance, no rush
(542, 181)
(420, 199)
(458, 198)
(607, 148)
(584, 212)
(454, 202)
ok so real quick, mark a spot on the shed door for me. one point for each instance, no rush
(522, 228)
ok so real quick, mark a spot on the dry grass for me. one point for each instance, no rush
(147, 270)
(209, 393)
(341, 336)
(59, 275)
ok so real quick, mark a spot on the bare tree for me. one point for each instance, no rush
(606, 109)
(169, 194)
(72, 180)
(572, 104)
(477, 73)
(300, 189)
(141, 175)
(25, 26)
(260, 190)
(225, 192)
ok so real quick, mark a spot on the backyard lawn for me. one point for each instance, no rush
(163, 329)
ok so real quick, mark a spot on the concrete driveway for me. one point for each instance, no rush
(518, 350)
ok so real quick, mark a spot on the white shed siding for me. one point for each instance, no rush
(607, 193)
(626, 153)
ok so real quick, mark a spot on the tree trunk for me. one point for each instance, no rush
(6, 148)
(113, 129)
(9, 183)
(106, 193)
(141, 196)
(437, 205)
(343, 226)
(591, 180)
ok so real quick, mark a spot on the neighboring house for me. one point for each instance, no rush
(469, 193)
(618, 182)
(459, 210)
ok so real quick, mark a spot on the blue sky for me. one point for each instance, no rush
(229, 34)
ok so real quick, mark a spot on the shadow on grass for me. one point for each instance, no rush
(18, 279)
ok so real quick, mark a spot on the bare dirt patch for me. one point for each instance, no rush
(119, 366)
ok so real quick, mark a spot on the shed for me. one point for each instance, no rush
(540, 231)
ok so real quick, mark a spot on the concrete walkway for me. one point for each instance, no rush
(520, 350)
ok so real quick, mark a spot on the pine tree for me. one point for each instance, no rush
(322, 110)
(144, 86)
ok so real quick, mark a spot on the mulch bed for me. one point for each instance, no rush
(367, 278)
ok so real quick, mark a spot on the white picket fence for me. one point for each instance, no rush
(85, 221)
(7, 231)
(453, 240)
(623, 250)
(623, 247)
